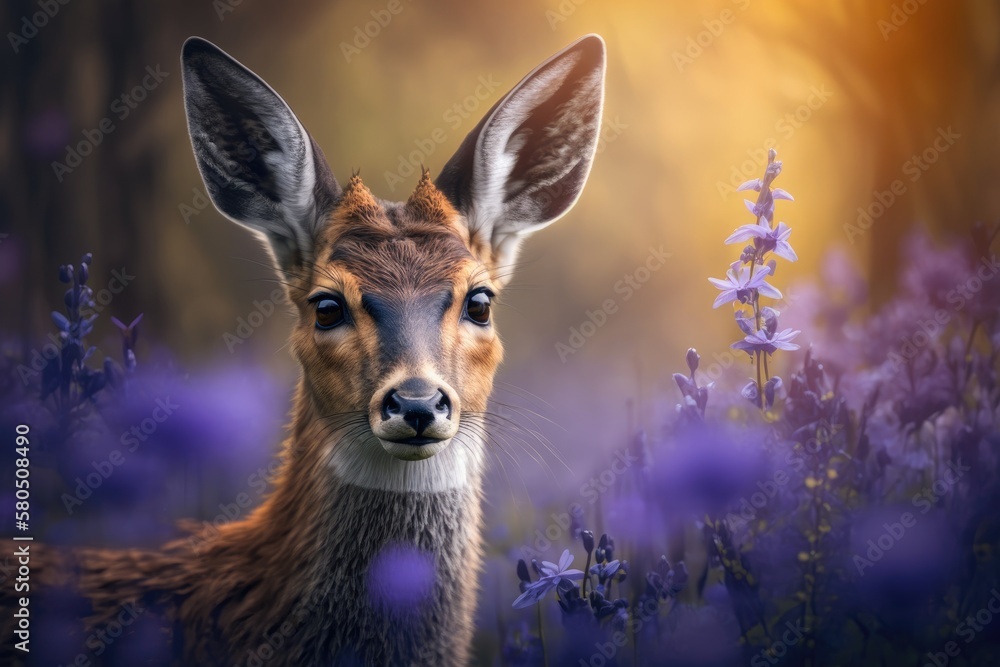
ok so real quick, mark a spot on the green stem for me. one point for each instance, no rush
(541, 636)
(760, 387)
(966, 356)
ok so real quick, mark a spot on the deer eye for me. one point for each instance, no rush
(330, 311)
(477, 308)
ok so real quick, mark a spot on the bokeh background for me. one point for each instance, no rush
(677, 129)
(848, 93)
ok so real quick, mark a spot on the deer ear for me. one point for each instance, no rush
(260, 167)
(526, 162)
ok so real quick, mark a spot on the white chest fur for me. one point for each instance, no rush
(364, 463)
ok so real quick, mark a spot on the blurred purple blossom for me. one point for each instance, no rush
(708, 468)
(401, 579)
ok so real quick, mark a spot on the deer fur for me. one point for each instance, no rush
(301, 565)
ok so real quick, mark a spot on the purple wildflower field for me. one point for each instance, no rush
(525, 334)
(841, 514)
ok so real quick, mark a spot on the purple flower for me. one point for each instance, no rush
(767, 342)
(764, 207)
(771, 388)
(739, 285)
(551, 575)
(747, 322)
(605, 571)
(753, 184)
(766, 239)
(756, 184)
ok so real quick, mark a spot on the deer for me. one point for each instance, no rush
(394, 334)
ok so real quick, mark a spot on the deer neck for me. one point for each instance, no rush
(338, 507)
(328, 467)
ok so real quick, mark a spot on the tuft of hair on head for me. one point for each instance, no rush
(428, 203)
(357, 201)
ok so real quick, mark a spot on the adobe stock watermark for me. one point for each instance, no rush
(696, 44)
(246, 326)
(898, 17)
(364, 33)
(609, 133)
(793, 634)
(120, 279)
(199, 202)
(913, 169)
(120, 109)
(605, 653)
(258, 483)
(786, 126)
(967, 629)
(32, 24)
(894, 532)
(562, 12)
(749, 508)
(101, 639)
(453, 117)
(611, 130)
(224, 7)
(590, 491)
(928, 329)
(105, 468)
(38, 359)
(273, 640)
(243, 153)
(626, 287)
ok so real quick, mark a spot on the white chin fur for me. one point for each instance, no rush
(414, 453)
(441, 466)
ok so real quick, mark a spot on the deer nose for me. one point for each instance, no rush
(417, 410)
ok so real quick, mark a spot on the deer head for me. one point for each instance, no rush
(393, 299)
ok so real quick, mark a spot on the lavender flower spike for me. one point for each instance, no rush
(739, 285)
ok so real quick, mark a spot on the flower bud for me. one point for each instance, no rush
(522, 571)
(692, 359)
